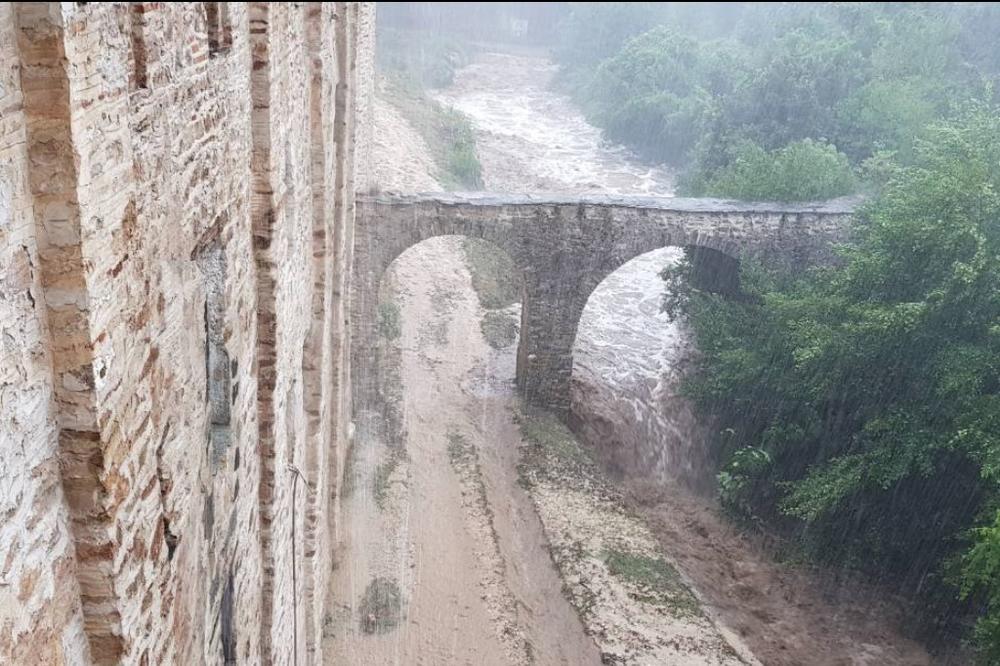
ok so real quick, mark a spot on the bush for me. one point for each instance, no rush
(858, 407)
(381, 606)
(686, 84)
(390, 325)
(656, 92)
(499, 329)
(495, 277)
(802, 171)
(448, 133)
(461, 162)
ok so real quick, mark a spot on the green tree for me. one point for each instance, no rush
(657, 91)
(689, 85)
(802, 171)
(873, 389)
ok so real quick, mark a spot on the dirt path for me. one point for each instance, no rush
(448, 523)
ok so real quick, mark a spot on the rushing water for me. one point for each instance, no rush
(628, 355)
(533, 139)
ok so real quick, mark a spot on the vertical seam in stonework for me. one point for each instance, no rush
(81, 454)
(262, 220)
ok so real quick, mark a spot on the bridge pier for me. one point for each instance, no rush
(550, 313)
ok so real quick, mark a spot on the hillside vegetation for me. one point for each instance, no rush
(857, 408)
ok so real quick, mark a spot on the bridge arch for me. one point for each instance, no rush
(565, 246)
(625, 397)
(368, 304)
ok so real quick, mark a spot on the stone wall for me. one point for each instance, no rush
(176, 212)
(563, 248)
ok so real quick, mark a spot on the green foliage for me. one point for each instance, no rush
(801, 171)
(382, 478)
(413, 61)
(448, 134)
(460, 449)
(981, 578)
(737, 476)
(381, 606)
(499, 329)
(653, 579)
(461, 162)
(686, 86)
(495, 278)
(389, 320)
(551, 437)
(859, 406)
(657, 92)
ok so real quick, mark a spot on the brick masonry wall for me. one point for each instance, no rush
(176, 211)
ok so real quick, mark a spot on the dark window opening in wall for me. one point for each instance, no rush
(226, 620)
(139, 77)
(220, 33)
(212, 263)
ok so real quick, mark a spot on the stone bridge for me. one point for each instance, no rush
(565, 246)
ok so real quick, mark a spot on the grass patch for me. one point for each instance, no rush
(382, 480)
(494, 275)
(464, 460)
(414, 61)
(390, 325)
(653, 579)
(552, 437)
(448, 133)
(553, 455)
(460, 450)
(381, 606)
(499, 329)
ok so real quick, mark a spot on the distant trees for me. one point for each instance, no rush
(686, 84)
(801, 171)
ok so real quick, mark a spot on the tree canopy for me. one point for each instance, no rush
(687, 84)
